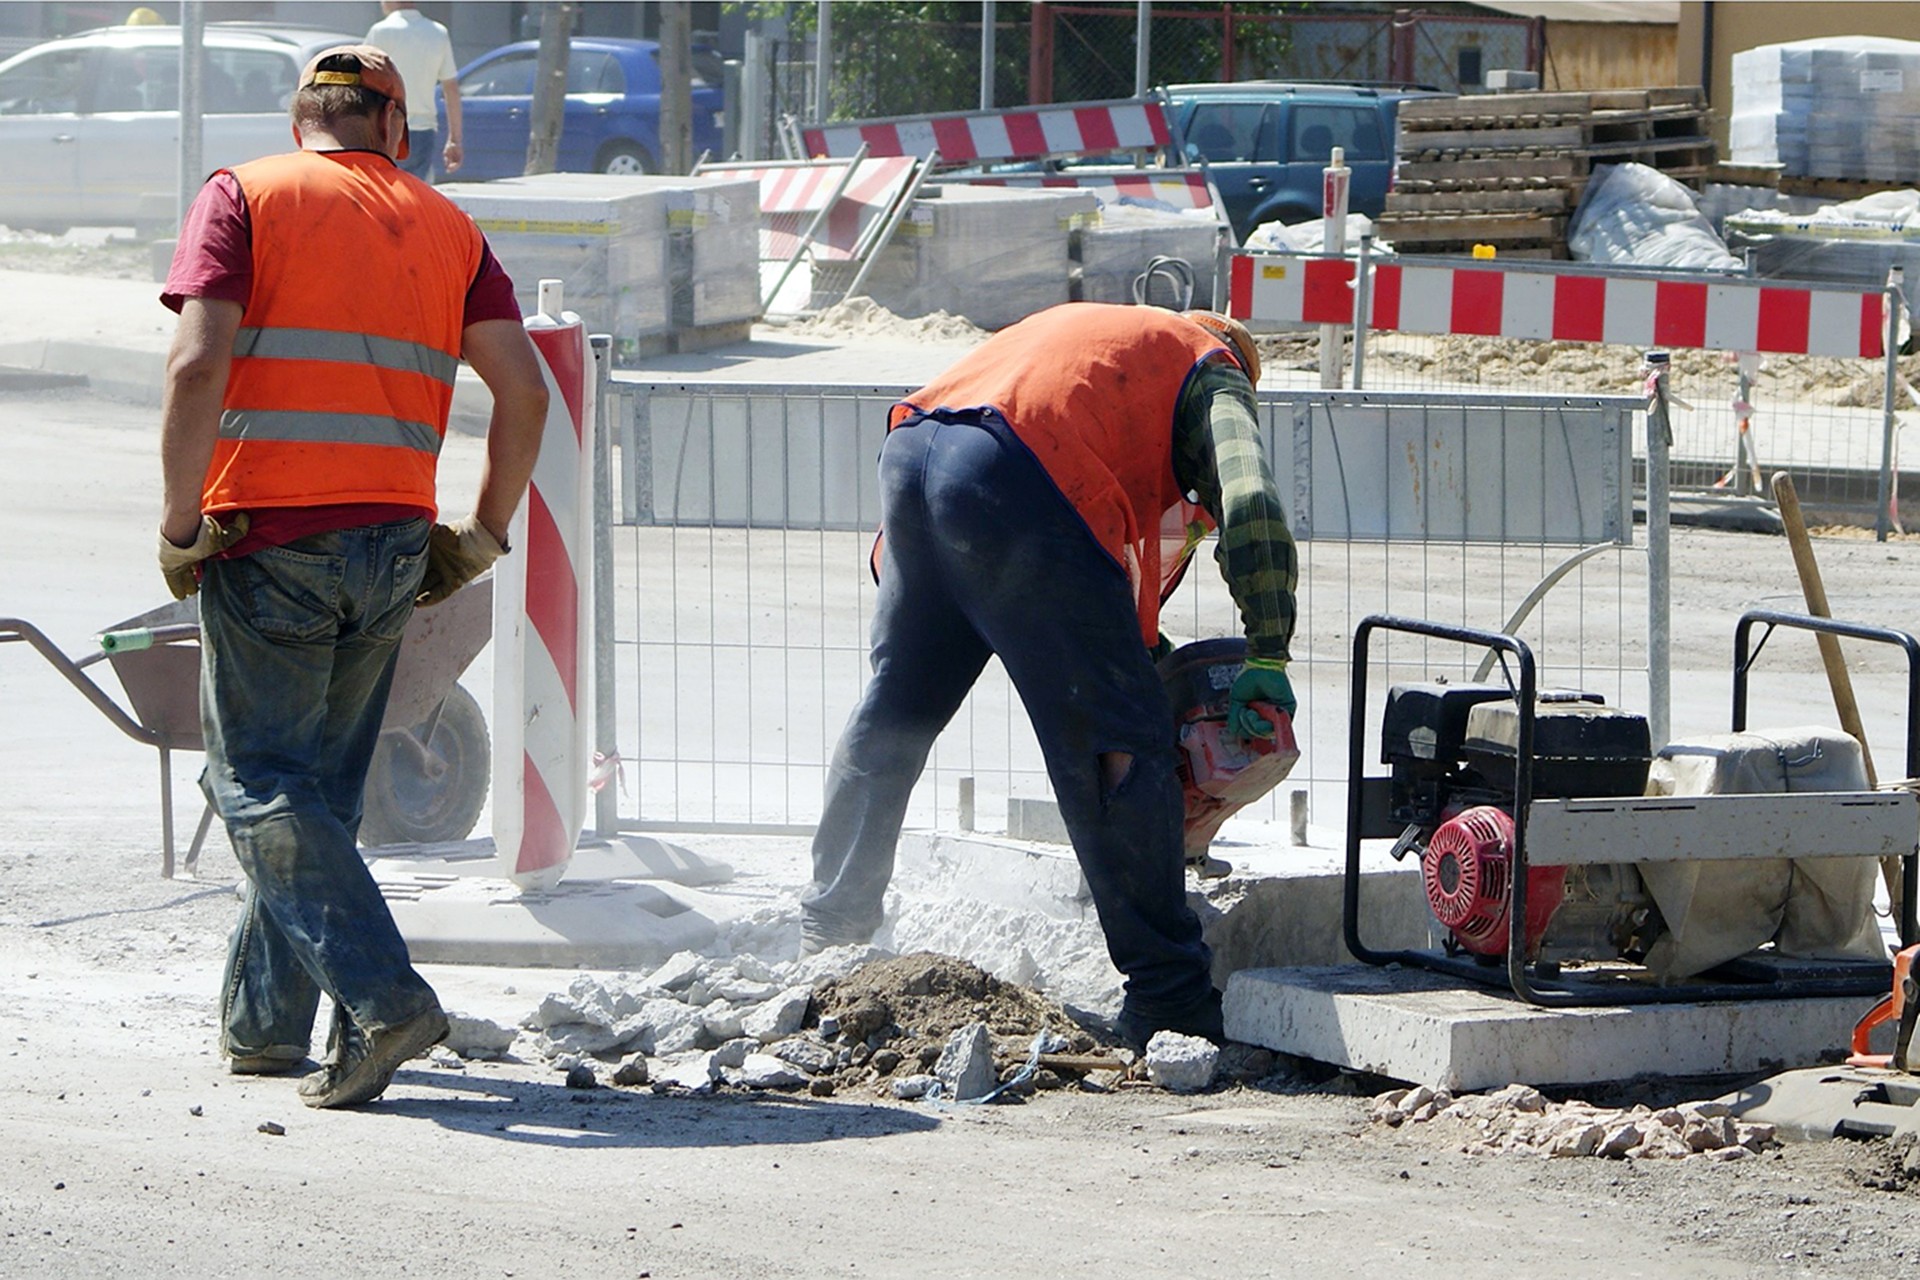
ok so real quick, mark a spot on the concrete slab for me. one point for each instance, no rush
(1817, 1103)
(1425, 1029)
(628, 903)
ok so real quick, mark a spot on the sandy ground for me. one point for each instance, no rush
(129, 1152)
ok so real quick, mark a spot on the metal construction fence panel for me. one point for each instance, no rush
(744, 591)
(1767, 374)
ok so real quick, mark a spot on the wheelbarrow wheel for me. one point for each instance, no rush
(429, 783)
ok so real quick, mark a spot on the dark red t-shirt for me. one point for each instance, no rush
(214, 259)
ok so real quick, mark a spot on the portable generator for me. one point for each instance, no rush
(1451, 749)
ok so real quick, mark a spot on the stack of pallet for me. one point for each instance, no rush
(1507, 169)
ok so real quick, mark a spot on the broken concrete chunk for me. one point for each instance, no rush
(764, 1071)
(808, 1055)
(966, 1064)
(581, 1076)
(780, 1016)
(696, 1075)
(734, 1052)
(908, 1088)
(1620, 1139)
(1519, 1097)
(632, 1072)
(1582, 1138)
(471, 1036)
(1184, 1063)
(720, 1021)
(678, 973)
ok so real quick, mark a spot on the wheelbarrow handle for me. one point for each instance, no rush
(134, 639)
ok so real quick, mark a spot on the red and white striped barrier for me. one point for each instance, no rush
(1181, 188)
(1026, 133)
(542, 623)
(791, 193)
(1634, 310)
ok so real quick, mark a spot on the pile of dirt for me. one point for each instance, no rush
(894, 1016)
(865, 318)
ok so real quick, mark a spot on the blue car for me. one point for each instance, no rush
(612, 115)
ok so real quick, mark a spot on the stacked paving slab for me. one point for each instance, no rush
(1836, 117)
(1508, 169)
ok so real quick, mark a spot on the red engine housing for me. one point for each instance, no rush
(1468, 872)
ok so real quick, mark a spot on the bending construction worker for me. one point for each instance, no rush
(326, 300)
(1025, 497)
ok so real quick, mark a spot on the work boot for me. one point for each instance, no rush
(1203, 1020)
(274, 1060)
(360, 1066)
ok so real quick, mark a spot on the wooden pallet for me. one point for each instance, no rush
(1417, 113)
(1473, 201)
(1472, 228)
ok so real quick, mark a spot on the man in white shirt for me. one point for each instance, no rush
(423, 54)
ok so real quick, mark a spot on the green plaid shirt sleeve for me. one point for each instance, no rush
(1216, 454)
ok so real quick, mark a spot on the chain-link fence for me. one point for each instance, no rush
(894, 60)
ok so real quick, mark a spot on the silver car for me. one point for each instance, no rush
(90, 124)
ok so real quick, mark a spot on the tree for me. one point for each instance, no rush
(549, 86)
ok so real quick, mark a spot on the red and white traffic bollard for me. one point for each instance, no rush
(543, 623)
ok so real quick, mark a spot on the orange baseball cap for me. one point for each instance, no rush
(365, 66)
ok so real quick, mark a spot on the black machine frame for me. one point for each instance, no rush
(1825, 978)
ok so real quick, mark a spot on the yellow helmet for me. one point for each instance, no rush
(145, 17)
(1236, 334)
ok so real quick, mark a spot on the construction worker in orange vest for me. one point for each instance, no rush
(326, 300)
(1035, 507)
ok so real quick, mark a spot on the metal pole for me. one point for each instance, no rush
(606, 724)
(822, 57)
(1362, 309)
(1883, 518)
(987, 36)
(1659, 562)
(1142, 46)
(1333, 241)
(193, 31)
(894, 219)
(753, 97)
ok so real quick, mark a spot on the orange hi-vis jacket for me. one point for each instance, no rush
(1092, 389)
(343, 369)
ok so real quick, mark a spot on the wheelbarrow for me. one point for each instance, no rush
(428, 779)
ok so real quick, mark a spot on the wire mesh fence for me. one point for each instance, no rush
(1736, 419)
(745, 593)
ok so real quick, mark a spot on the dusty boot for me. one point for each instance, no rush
(360, 1066)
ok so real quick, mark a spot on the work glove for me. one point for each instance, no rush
(457, 553)
(1262, 680)
(180, 566)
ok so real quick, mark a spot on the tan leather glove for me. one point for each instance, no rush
(180, 566)
(457, 553)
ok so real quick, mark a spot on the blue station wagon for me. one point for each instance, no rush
(612, 120)
(1266, 143)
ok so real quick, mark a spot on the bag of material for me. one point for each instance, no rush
(1635, 215)
(1718, 910)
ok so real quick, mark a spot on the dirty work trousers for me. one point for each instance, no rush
(297, 654)
(983, 556)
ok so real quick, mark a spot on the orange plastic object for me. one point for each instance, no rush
(1897, 1005)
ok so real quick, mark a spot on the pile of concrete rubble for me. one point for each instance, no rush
(1519, 1118)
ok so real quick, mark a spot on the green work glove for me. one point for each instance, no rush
(180, 566)
(456, 554)
(1261, 680)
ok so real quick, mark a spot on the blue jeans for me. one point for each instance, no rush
(423, 151)
(297, 654)
(983, 556)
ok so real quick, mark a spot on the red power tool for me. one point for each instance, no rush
(1219, 775)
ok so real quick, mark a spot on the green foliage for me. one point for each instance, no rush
(911, 57)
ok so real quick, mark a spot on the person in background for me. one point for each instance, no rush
(1035, 506)
(326, 300)
(422, 50)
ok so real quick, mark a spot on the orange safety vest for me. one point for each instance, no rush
(1092, 389)
(343, 368)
